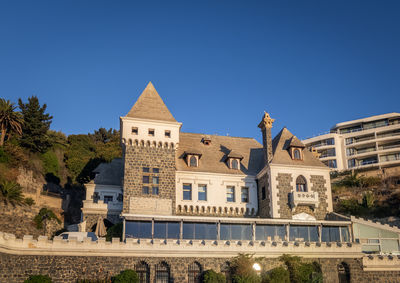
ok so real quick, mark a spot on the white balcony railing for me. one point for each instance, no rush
(100, 205)
(304, 198)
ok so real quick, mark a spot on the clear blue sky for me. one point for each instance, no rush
(217, 64)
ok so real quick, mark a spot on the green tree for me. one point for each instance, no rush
(11, 192)
(242, 269)
(10, 120)
(36, 125)
(277, 275)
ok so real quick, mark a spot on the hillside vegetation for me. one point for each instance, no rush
(64, 163)
(370, 197)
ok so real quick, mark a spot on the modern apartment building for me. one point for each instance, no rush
(372, 142)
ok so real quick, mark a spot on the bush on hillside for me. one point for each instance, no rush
(11, 192)
(50, 163)
(44, 214)
(29, 201)
(38, 279)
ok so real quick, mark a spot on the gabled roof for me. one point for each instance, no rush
(213, 158)
(282, 142)
(150, 106)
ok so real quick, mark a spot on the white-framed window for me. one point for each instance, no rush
(202, 192)
(193, 161)
(187, 191)
(245, 194)
(230, 194)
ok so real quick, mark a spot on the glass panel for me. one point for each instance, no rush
(188, 230)
(245, 194)
(345, 234)
(270, 232)
(155, 190)
(160, 230)
(206, 231)
(388, 234)
(225, 232)
(236, 232)
(368, 232)
(370, 248)
(389, 246)
(146, 169)
(173, 230)
(330, 234)
(230, 194)
(146, 179)
(145, 190)
(313, 232)
(138, 229)
(156, 170)
(155, 180)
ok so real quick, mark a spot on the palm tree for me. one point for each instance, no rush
(11, 192)
(10, 120)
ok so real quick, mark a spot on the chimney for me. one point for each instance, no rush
(265, 126)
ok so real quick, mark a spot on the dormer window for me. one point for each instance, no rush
(233, 160)
(192, 157)
(295, 148)
(234, 164)
(193, 161)
(206, 140)
(296, 154)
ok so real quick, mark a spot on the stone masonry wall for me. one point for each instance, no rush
(317, 184)
(16, 268)
(264, 205)
(284, 188)
(137, 157)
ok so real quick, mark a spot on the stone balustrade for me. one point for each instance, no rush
(173, 248)
(304, 198)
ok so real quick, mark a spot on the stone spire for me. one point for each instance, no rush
(150, 106)
(265, 126)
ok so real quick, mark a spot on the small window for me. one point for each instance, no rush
(296, 154)
(156, 180)
(193, 161)
(167, 134)
(263, 193)
(202, 192)
(146, 169)
(146, 179)
(135, 131)
(230, 194)
(155, 191)
(156, 170)
(108, 199)
(301, 184)
(245, 194)
(145, 190)
(187, 191)
(235, 164)
(151, 132)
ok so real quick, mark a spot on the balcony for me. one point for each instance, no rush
(100, 205)
(304, 198)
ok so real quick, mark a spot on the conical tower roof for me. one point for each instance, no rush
(150, 106)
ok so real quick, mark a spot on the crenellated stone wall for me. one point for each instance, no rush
(150, 156)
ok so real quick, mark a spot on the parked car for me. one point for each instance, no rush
(79, 235)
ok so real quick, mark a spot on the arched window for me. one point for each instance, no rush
(194, 272)
(143, 271)
(296, 154)
(235, 164)
(343, 273)
(193, 161)
(301, 184)
(162, 273)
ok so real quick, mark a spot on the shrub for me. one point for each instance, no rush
(44, 214)
(11, 192)
(114, 231)
(277, 275)
(29, 201)
(302, 272)
(210, 276)
(368, 200)
(38, 279)
(126, 276)
(4, 157)
(252, 278)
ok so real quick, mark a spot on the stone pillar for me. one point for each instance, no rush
(265, 126)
